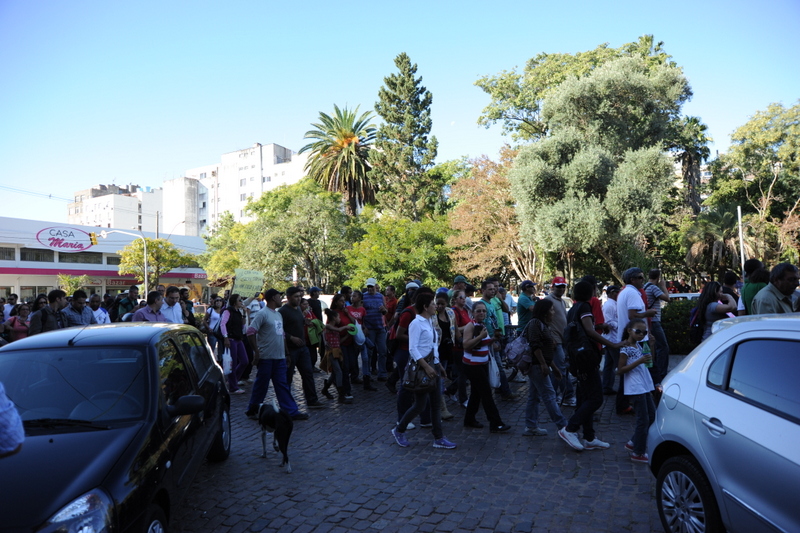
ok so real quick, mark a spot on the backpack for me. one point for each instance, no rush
(584, 357)
(695, 328)
(391, 337)
(518, 353)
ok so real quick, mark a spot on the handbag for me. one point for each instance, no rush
(227, 361)
(415, 379)
(494, 373)
(359, 337)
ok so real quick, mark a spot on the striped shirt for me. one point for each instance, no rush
(480, 353)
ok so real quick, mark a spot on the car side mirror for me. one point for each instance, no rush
(187, 405)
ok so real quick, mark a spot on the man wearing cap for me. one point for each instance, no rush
(527, 298)
(126, 302)
(563, 386)
(375, 306)
(460, 284)
(266, 336)
(294, 330)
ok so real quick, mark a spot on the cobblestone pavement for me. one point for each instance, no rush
(349, 475)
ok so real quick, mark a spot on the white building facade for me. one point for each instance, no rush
(115, 206)
(34, 252)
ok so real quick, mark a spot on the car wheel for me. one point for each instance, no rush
(221, 447)
(686, 503)
(155, 520)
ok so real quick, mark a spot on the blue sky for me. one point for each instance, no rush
(137, 92)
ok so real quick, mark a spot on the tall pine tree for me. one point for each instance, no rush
(403, 152)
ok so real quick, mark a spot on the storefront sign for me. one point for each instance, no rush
(64, 239)
(121, 282)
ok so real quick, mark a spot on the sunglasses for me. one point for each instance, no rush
(640, 331)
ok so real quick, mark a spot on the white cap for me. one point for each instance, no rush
(372, 281)
(412, 285)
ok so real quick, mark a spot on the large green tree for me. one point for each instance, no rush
(597, 183)
(394, 250)
(403, 150)
(517, 97)
(691, 146)
(162, 256)
(300, 227)
(339, 155)
(486, 240)
(223, 242)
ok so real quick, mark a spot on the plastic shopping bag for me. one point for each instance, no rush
(227, 362)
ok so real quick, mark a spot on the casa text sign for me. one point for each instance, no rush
(64, 239)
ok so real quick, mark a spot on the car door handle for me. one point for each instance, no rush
(714, 425)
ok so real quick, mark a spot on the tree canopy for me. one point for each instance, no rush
(403, 151)
(339, 157)
(162, 256)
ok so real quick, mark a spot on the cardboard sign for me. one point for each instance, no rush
(247, 283)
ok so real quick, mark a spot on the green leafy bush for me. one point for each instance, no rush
(675, 321)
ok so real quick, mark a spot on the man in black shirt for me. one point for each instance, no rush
(294, 330)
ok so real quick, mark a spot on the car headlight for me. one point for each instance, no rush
(90, 513)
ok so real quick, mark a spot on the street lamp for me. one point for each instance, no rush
(105, 234)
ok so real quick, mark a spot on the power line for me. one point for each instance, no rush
(33, 193)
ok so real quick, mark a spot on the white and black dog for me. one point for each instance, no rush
(275, 420)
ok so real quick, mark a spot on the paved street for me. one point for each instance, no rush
(349, 475)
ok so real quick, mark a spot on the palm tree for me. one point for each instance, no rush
(692, 142)
(713, 241)
(339, 155)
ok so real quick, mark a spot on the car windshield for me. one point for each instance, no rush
(95, 384)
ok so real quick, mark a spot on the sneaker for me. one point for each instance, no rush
(240, 383)
(629, 445)
(452, 397)
(595, 444)
(464, 405)
(644, 458)
(300, 416)
(535, 432)
(426, 425)
(238, 391)
(400, 438)
(444, 443)
(571, 439)
(411, 426)
(570, 402)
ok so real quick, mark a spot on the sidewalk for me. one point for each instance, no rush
(349, 475)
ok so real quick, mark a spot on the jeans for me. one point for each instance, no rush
(405, 399)
(301, 359)
(351, 354)
(645, 409)
(562, 386)
(610, 362)
(238, 363)
(590, 398)
(430, 398)
(480, 394)
(272, 370)
(364, 350)
(378, 337)
(541, 388)
(661, 355)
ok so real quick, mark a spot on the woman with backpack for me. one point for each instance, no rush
(713, 305)
(542, 348)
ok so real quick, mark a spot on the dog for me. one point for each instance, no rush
(275, 420)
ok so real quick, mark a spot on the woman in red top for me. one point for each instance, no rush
(17, 325)
(346, 341)
(358, 312)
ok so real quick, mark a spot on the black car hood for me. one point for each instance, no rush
(51, 470)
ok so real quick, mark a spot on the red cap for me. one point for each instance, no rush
(558, 280)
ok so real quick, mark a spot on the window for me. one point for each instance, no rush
(243, 196)
(771, 383)
(195, 351)
(203, 205)
(175, 381)
(91, 258)
(42, 256)
(113, 260)
(202, 175)
(243, 182)
(7, 254)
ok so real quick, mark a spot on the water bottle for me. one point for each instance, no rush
(646, 351)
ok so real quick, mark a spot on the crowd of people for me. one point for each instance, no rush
(365, 337)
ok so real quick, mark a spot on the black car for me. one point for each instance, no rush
(118, 420)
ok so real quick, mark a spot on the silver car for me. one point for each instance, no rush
(725, 445)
